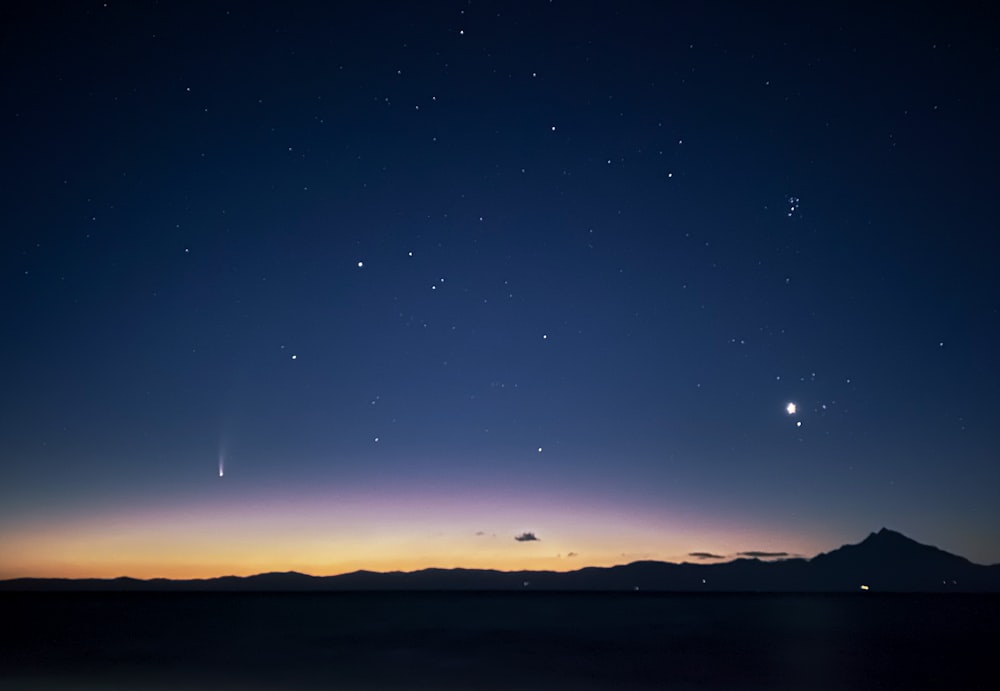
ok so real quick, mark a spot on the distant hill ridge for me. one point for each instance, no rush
(885, 561)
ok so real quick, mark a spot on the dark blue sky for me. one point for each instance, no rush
(418, 271)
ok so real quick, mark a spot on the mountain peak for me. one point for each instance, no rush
(884, 533)
(887, 551)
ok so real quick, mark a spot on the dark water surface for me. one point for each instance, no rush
(266, 641)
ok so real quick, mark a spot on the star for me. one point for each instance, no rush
(790, 408)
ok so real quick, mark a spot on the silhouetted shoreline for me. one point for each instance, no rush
(886, 561)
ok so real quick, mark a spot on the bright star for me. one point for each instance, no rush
(790, 408)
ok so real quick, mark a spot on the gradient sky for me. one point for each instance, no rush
(427, 276)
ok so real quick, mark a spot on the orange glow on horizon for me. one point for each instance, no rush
(316, 536)
(93, 557)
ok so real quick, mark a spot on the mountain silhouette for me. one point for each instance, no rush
(885, 561)
(890, 560)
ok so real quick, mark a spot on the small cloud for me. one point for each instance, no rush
(572, 554)
(763, 555)
(480, 532)
(526, 537)
(705, 555)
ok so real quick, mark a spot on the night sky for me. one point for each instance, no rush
(422, 278)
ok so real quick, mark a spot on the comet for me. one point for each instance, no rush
(222, 464)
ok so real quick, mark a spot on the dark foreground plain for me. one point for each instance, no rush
(348, 641)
